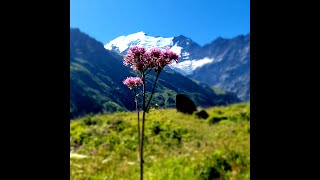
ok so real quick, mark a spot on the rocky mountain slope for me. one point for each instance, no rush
(223, 63)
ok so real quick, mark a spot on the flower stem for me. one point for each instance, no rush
(137, 109)
(143, 120)
(154, 87)
(145, 108)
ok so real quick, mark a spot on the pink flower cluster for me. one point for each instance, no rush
(132, 82)
(141, 59)
(166, 57)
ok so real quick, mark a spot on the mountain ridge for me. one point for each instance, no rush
(96, 76)
(224, 62)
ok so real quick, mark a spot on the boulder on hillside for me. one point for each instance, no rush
(184, 104)
(202, 114)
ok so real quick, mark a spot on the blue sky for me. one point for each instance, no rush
(200, 20)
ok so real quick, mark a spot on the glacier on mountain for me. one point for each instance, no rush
(188, 66)
(122, 43)
(185, 66)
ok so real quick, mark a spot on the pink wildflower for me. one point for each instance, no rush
(134, 57)
(140, 59)
(167, 56)
(132, 82)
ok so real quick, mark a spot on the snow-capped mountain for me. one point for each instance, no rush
(224, 63)
(180, 45)
(121, 44)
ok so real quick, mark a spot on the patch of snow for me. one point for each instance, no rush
(220, 58)
(185, 55)
(187, 67)
(176, 49)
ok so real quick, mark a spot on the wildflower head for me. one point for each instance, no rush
(134, 55)
(132, 82)
(167, 56)
(140, 59)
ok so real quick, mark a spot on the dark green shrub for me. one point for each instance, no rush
(245, 116)
(155, 128)
(209, 173)
(217, 166)
(176, 135)
(247, 128)
(89, 121)
(117, 125)
(213, 120)
(219, 112)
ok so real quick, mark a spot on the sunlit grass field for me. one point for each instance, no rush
(177, 146)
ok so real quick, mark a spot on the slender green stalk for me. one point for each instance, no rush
(143, 120)
(137, 109)
(145, 108)
(154, 87)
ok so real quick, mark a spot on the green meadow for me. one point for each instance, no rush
(177, 146)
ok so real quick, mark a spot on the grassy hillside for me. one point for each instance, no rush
(177, 146)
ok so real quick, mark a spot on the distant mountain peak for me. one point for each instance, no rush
(123, 43)
(219, 38)
(140, 33)
(224, 62)
(181, 36)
